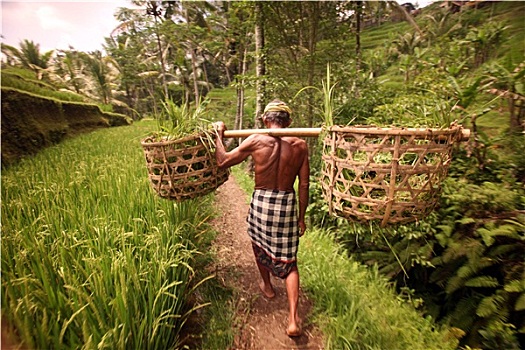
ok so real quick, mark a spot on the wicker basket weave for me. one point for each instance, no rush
(182, 169)
(389, 174)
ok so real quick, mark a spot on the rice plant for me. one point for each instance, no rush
(91, 257)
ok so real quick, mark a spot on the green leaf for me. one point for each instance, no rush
(487, 307)
(515, 286)
(482, 282)
(507, 231)
(447, 230)
(520, 303)
(486, 235)
(442, 239)
(466, 221)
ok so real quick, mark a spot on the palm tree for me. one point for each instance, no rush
(153, 8)
(197, 27)
(103, 74)
(69, 69)
(440, 24)
(29, 56)
(483, 40)
(260, 63)
(397, 7)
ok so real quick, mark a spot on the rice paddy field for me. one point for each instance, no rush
(91, 257)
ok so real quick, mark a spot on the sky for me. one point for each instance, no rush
(61, 24)
(58, 25)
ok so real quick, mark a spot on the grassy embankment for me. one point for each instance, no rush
(36, 115)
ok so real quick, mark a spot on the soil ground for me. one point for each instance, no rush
(261, 322)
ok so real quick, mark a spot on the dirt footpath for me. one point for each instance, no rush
(261, 323)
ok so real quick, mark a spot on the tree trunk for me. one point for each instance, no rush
(521, 116)
(260, 63)
(358, 15)
(515, 126)
(240, 91)
(193, 60)
(313, 14)
(194, 68)
(156, 13)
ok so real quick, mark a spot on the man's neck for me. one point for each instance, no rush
(274, 126)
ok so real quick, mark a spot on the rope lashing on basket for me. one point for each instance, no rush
(393, 174)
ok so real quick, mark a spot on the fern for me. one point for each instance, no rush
(482, 282)
(454, 284)
(473, 267)
(464, 314)
(520, 303)
(515, 286)
(490, 305)
(475, 271)
(466, 221)
(504, 250)
(491, 231)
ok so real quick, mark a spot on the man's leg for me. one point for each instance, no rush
(266, 284)
(292, 290)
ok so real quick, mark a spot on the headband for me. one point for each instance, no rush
(277, 107)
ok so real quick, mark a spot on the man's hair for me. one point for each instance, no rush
(278, 112)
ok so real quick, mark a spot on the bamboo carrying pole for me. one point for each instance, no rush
(299, 132)
(314, 132)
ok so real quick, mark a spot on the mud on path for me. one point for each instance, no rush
(260, 323)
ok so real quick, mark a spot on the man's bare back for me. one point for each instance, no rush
(278, 160)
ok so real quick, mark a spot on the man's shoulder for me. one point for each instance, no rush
(296, 141)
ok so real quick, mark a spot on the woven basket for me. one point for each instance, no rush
(392, 175)
(182, 169)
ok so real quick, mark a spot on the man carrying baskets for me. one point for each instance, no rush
(274, 225)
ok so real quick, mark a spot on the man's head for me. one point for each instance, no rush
(277, 112)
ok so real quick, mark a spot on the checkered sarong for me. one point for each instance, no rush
(272, 224)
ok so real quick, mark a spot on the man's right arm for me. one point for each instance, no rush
(227, 159)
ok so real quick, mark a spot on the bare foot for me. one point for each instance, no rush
(267, 292)
(294, 330)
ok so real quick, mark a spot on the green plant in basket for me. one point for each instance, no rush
(176, 121)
